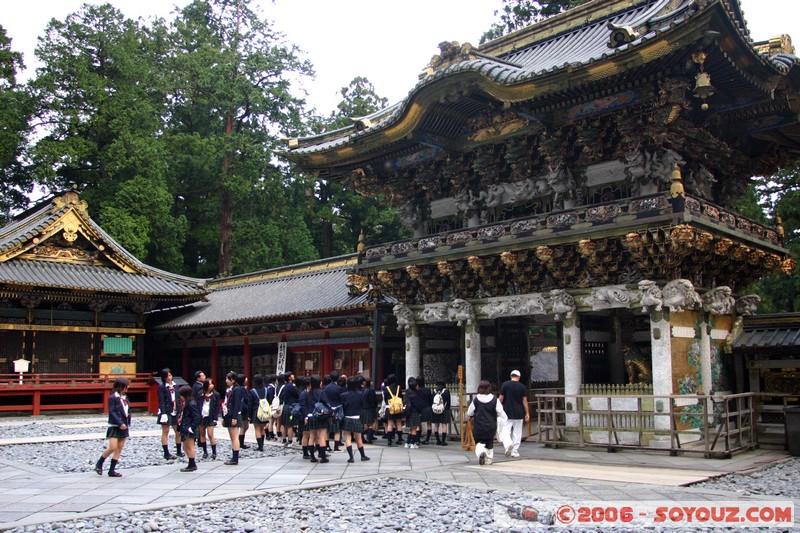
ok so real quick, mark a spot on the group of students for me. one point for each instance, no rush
(418, 408)
(193, 412)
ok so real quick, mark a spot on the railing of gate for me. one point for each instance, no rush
(715, 426)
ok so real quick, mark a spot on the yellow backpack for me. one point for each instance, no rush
(395, 402)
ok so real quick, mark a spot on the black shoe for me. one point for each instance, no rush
(189, 469)
(213, 457)
(181, 454)
(99, 470)
(244, 447)
(170, 457)
(231, 462)
(350, 460)
(365, 458)
(314, 459)
(324, 460)
(114, 474)
(205, 456)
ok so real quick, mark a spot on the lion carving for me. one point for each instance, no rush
(680, 295)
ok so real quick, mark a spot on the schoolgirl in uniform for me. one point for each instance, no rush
(441, 421)
(258, 392)
(119, 422)
(209, 411)
(369, 417)
(232, 414)
(394, 422)
(353, 404)
(189, 425)
(427, 413)
(247, 405)
(274, 421)
(289, 396)
(169, 407)
(415, 403)
(316, 428)
(303, 400)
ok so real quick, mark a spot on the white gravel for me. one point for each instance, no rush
(380, 505)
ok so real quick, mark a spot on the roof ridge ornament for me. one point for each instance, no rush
(451, 52)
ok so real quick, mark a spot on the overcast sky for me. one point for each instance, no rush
(389, 42)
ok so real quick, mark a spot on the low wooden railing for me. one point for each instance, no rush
(65, 392)
(716, 426)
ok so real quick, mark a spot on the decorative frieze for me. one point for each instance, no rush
(679, 295)
(718, 301)
(609, 298)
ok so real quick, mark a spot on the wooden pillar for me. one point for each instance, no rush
(248, 361)
(214, 363)
(326, 364)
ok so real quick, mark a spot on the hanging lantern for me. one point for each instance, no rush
(702, 82)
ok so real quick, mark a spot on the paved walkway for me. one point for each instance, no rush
(29, 495)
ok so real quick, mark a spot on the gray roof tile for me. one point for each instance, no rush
(51, 274)
(291, 295)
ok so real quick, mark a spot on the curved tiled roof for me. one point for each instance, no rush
(286, 296)
(579, 46)
(61, 275)
(136, 278)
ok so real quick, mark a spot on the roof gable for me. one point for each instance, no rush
(59, 245)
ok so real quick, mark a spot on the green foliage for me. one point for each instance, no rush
(16, 106)
(516, 14)
(336, 214)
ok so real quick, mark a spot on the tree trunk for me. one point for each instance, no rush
(226, 213)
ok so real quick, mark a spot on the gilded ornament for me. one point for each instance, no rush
(544, 254)
(413, 271)
(384, 276)
(788, 266)
(444, 267)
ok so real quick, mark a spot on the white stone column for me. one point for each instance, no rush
(705, 366)
(413, 355)
(573, 367)
(472, 349)
(661, 350)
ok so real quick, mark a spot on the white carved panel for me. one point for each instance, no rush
(719, 334)
(683, 332)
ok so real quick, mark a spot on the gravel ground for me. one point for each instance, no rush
(407, 504)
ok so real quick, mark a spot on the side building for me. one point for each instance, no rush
(73, 305)
(305, 318)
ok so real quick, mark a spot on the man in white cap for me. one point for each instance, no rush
(514, 397)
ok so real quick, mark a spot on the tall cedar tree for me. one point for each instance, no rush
(229, 101)
(15, 111)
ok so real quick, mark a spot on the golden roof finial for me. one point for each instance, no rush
(779, 226)
(676, 182)
(362, 245)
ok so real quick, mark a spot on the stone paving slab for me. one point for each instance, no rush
(603, 472)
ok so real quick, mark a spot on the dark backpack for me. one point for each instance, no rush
(322, 411)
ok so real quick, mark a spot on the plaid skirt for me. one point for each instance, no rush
(226, 422)
(311, 423)
(368, 416)
(443, 418)
(353, 425)
(333, 425)
(172, 420)
(186, 435)
(414, 419)
(427, 414)
(113, 432)
(286, 416)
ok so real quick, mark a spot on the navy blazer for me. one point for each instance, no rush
(289, 394)
(213, 408)
(116, 412)
(236, 402)
(353, 403)
(190, 417)
(370, 398)
(332, 394)
(165, 404)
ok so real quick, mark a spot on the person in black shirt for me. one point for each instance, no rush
(332, 395)
(247, 405)
(416, 404)
(514, 397)
(353, 404)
